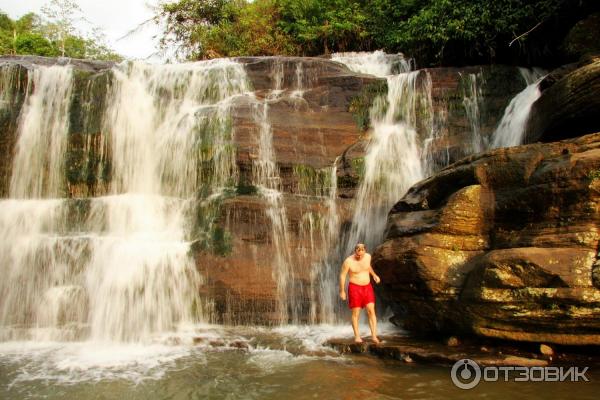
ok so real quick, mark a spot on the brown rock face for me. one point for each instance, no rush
(568, 106)
(503, 244)
(243, 283)
(310, 119)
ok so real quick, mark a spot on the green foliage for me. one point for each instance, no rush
(34, 43)
(246, 189)
(55, 36)
(323, 26)
(311, 181)
(433, 31)
(358, 165)
(206, 234)
(475, 31)
(224, 28)
(221, 241)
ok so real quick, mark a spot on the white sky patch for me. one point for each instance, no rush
(114, 17)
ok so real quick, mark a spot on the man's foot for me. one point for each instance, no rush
(376, 340)
(358, 340)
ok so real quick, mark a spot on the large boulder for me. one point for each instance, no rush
(569, 104)
(582, 39)
(502, 244)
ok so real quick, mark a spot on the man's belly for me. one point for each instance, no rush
(360, 279)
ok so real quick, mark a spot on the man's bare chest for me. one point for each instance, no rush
(357, 267)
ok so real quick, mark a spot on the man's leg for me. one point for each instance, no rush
(372, 321)
(355, 315)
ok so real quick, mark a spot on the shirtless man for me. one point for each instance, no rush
(360, 291)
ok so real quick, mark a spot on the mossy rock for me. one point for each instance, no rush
(360, 105)
(311, 181)
(583, 39)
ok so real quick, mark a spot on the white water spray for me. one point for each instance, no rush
(43, 128)
(126, 264)
(511, 128)
(472, 101)
(375, 63)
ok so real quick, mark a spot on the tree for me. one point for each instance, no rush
(7, 39)
(224, 28)
(322, 26)
(62, 15)
(30, 34)
(434, 32)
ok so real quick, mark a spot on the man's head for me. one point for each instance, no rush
(360, 250)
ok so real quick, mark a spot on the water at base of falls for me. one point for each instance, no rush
(219, 362)
(73, 362)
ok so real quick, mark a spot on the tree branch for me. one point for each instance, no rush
(529, 31)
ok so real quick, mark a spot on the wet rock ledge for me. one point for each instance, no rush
(427, 351)
(409, 350)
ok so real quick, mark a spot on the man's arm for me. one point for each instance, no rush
(373, 274)
(343, 273)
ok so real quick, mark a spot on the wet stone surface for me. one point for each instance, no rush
(408, 349)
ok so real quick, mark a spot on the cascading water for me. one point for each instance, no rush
(375, 63)
(396, 156)
(123, 271)
(35, 273)
(266, 177)
(472, 101)
(511, 128)
(323, 231)
(37, 166)
(393, 161)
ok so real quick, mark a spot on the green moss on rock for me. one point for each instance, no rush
(360, 105)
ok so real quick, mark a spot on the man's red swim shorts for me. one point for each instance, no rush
(360, 295)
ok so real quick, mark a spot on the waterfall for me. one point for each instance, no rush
(117, 267)
(43, 127)
(392, 163)
(511, 128)
(397, 156)
(323, 242)
(9, 86)
(265, 176)
(376, 63)
(298, 91)
(472, 101)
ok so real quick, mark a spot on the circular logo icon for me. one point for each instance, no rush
(465, 374)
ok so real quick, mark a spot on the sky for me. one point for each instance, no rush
(114, 17)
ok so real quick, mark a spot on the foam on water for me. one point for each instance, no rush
(376, 63)
(74, 362)
(269, 349)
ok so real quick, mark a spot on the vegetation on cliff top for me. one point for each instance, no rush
(53, 34)
(435, 32)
